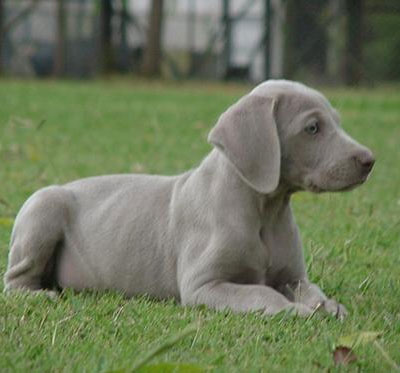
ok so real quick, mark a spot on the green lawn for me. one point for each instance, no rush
(53, 132)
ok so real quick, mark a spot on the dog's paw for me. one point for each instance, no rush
(296, 309)
(334, 308)
(49, 294)
(299, 309)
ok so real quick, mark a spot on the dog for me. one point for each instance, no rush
(222, 234)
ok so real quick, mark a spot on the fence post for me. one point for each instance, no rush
(226, 19)
(152, 54)
(267, 39)
(1, 34)
(106, 11)
(60, 55)
(353, 57)
(123, 30)
(191, 35)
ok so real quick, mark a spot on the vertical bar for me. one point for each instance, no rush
(226, 19)
(151, 65)
(267, 39)
(354, 41)
(334, 40)
(191, 35)
(2, 38)
(105, 35)
(191, 25)
(60, 55)
(123, 32)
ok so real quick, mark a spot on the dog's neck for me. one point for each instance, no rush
(268, 205)
(274, 203)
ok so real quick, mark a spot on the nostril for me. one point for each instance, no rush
(366, 161)
(368, 164)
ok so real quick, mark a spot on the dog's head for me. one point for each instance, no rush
(285, 132)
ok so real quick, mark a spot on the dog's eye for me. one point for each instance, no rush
(312, 128)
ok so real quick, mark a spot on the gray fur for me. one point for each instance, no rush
(222, 234)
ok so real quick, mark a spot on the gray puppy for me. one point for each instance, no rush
(222, 234)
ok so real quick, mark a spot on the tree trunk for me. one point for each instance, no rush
(152, 54)
(61, 42)
(353, 54)
(278, 21)
(106, 36)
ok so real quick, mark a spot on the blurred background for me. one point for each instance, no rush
(322, 41)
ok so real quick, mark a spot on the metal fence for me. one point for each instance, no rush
(216, 39)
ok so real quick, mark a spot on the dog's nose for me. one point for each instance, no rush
(365, 160)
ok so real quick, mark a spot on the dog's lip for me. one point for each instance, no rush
(349, 187)
(362, 180)
(313, 187)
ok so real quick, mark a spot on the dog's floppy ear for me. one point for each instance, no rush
(246, 133)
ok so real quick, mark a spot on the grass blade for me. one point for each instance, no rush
(386, 356)
(170, 342)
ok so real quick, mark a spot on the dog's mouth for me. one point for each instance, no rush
(352, 185)
(315, 188)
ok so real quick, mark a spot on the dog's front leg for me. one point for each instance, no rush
(242, 298)
(309, 294)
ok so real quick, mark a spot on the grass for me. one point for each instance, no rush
(53, 132)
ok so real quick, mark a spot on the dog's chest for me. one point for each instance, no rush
(277, 246)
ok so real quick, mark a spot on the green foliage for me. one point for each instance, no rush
(52, 132)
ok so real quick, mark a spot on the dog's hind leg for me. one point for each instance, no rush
(38, 233)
